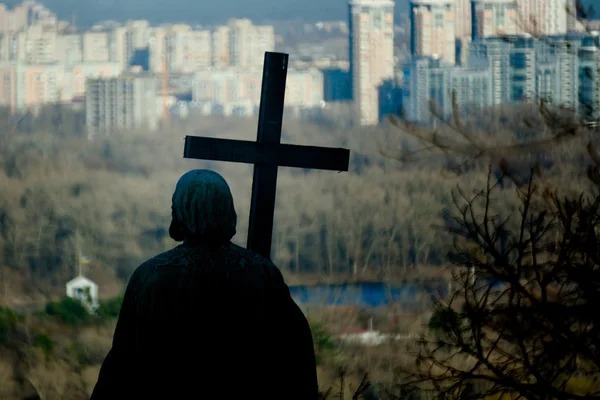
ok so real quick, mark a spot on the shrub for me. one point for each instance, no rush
(69, 311)
(8, 324)
(110, 308)
(323, 342)
(44, 343)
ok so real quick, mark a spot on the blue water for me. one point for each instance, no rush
(374, 294)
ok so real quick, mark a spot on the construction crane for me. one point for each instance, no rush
(165, 89)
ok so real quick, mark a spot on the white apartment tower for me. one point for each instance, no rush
(462, 19)
(433, 29)
(371, 49)
(248, 43)
(543, 17)
(494, 18)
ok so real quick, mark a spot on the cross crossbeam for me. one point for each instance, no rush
(267, 153)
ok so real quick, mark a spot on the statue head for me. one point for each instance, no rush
(202, 208)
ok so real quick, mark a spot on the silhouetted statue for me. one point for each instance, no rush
(208, 319)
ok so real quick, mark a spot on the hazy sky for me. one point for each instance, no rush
(205, 11)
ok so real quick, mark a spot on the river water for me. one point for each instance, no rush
(367, 294)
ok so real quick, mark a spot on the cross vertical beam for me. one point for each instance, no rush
(264, 183)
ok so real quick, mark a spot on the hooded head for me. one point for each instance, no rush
(202, 208)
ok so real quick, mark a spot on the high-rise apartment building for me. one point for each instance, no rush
(136, 36)
(462, 19)
(198, 51)
(426, 79)
(236, 91)
(473, 89)
(557, 78)
(23, 15)
(522, 70)
(220, 46)
(27, 86)
(247, 43)
(494, 18)
(75, 77)
(158, 47)
(186, 50)
(237, 44)
(118, 48)
(371, 48)
(69, 49)
(37, 44)
(588, 73)
(96, 46)
(433, 25)
(562, 70)
(543, 17)
(10, 43)
(125, 102)
(493, 54)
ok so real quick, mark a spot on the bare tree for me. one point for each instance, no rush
(525, 324)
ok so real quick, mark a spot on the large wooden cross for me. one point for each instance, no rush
(267, 153)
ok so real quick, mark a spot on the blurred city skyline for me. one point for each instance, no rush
(89, 12)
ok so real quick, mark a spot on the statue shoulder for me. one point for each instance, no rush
(249, 257)
(258, 263)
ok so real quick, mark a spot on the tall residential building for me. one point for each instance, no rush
(473, 89)
(522, 70)
(247, 43)
(27, 86)
(13, 20)
(237, 44)
(371, 48)
(304, 88)
(69, 49)
(433, 29)
(125, 102)
(462, 19)
(426, 80)
(158, 48)
(220, 46)
(9, 46)
(185, 50)
(198, 51)
(493, 54)
(589, 77)
(23, 15)
(96, 46)
(227, 91)
(117, 47)
(543, 17)
(430, 80)
(236, 91)
(557, 77)
(494, 18)
(76, 76)
(564, 70)
(177, 41)
(136, 36)
(38, 44)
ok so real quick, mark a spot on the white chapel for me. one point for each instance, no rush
(84, 290)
